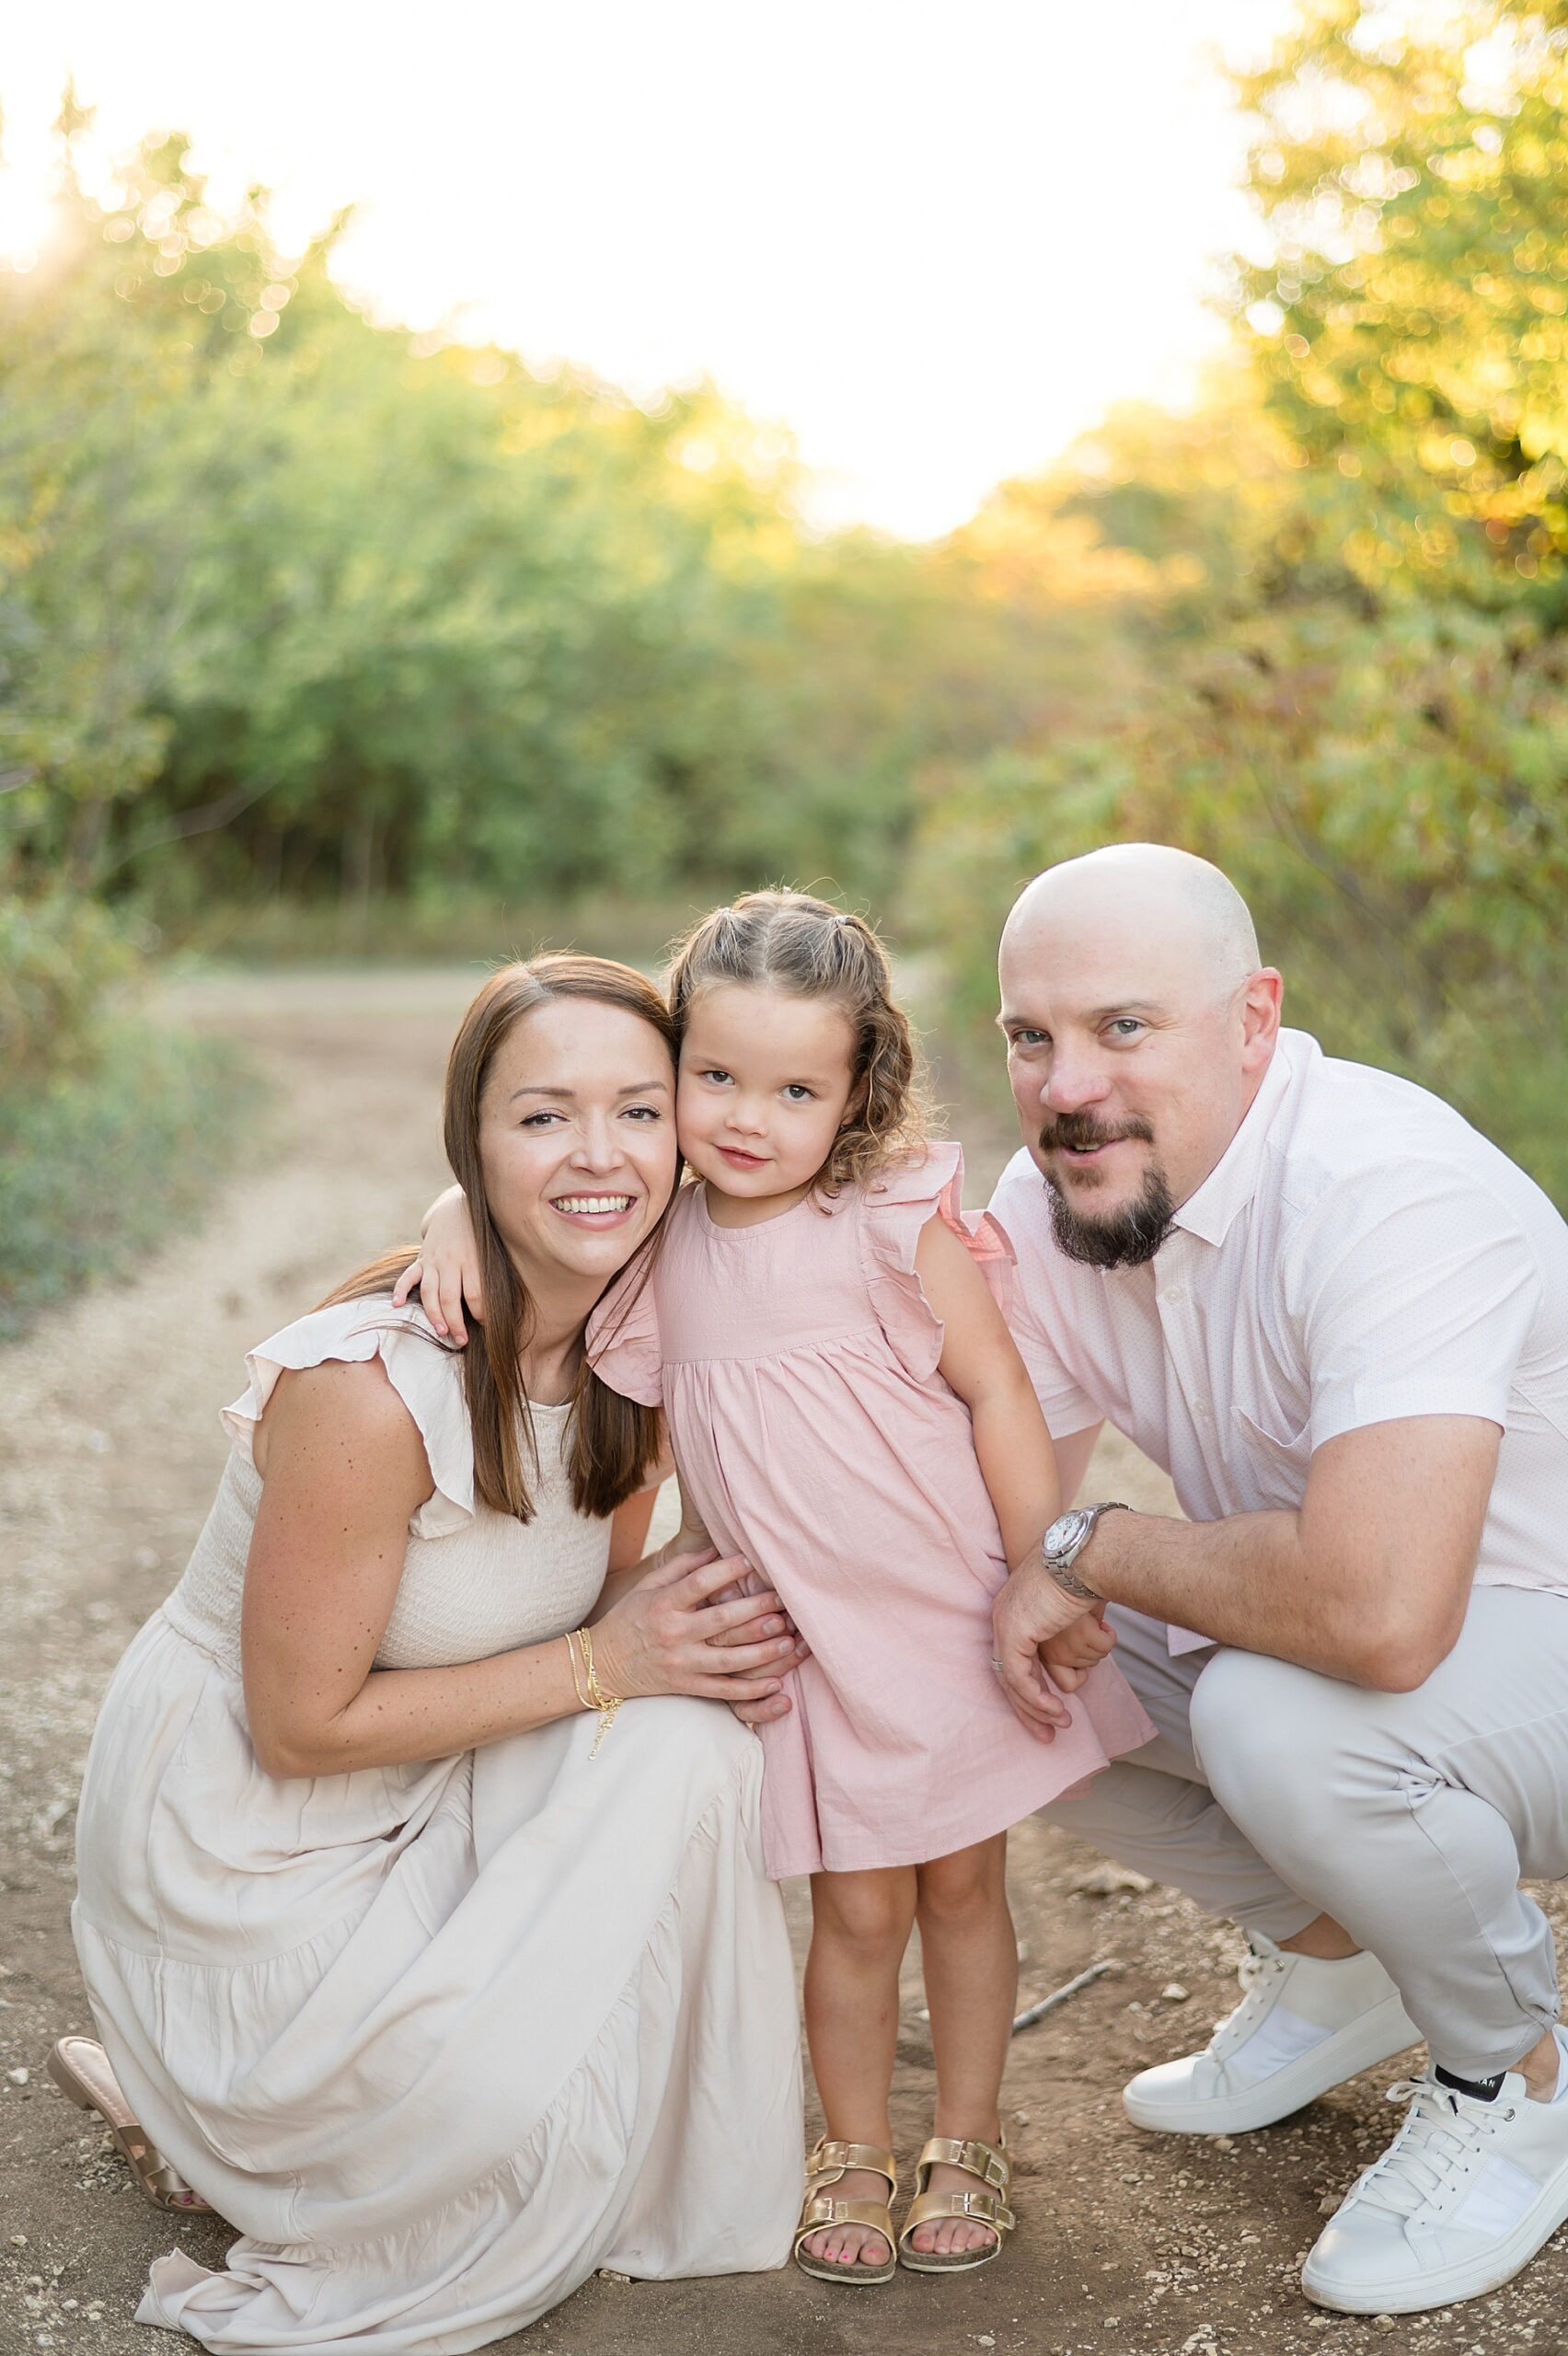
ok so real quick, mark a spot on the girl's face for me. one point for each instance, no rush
(577, 1139)
(764, 1085)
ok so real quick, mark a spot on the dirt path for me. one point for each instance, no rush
(109, 1452)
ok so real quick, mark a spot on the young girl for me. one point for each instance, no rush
(848, 1411)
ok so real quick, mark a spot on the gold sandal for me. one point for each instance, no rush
(991, 2165)
(826, 2164)
(81, 2068)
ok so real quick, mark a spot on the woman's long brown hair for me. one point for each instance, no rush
(613, 1443)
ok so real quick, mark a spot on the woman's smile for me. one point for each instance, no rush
(596, 1209)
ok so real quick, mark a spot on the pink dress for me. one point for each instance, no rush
(795, 1362)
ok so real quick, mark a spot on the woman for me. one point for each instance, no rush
(444, 1977)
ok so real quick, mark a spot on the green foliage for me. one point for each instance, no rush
(1413, 318)
(314, 632)
(1341, 613)
(60, 955)
(96, 1163)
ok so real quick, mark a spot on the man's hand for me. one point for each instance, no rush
(1029, 1612)
(1070, 1657)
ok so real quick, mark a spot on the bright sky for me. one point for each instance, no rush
(934, 237)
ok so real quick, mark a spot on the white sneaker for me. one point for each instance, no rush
(1302, 2027)
(1464, 2196)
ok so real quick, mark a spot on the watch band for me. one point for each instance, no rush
(1069, 1582)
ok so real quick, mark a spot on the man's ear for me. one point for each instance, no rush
(1259, 1017)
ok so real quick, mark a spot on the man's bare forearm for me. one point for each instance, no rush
(1244, 1581)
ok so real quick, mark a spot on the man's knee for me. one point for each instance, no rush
(1266, 1735)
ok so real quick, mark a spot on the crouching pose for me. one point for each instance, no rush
(1338, 1317)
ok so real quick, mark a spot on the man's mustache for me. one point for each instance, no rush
(1081, 1132)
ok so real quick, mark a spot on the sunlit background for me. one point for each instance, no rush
(933, 239)
(1185, 456)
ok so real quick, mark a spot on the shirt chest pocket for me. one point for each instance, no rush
(1271, 1465)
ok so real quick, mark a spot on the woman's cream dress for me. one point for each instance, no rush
(439, 2040)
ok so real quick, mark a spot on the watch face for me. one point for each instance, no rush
(1065, 1530)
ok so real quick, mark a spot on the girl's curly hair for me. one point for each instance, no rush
(793, 942)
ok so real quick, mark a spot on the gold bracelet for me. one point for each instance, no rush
(605, 1704)
(583, 1700)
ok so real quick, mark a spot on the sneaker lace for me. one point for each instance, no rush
(1437, 2147)
(1260, 1970)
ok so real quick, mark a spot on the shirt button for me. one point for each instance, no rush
(1175, 1294)
(1200, 1409)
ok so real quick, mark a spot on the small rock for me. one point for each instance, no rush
(1382, 2323)
(1174, 1993)
(18, 2077)
(608, 2274)
(1225, 2143)
(987, 2339)
(1329, 2205)
(19, 2241)
(1022, 2117)
(1110, 1881)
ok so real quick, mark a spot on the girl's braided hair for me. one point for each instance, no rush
(794, 942)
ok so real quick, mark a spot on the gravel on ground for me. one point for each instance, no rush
(1129, 2244)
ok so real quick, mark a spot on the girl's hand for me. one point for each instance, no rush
(775, 1706)
(671, 1634)
(1070, 1657)
(448, 1270)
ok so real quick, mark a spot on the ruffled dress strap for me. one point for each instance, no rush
(895, 1209)
(423, 1371)
(622, 1344)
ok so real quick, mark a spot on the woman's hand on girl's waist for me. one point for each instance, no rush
(688, 1626)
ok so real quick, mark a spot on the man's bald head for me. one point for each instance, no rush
(1179, 909)
(1139, 1026)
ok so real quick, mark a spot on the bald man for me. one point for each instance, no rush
(1338, 1317)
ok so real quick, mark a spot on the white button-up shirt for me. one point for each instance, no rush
(1359, 1254)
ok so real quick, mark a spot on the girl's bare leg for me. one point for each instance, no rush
(971, 1960)
(860, 1925)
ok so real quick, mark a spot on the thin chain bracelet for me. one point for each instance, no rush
(605, 1704)
(571, 1642)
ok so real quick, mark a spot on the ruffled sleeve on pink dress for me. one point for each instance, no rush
(896, 1208)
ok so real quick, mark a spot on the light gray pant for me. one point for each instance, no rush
(1272, 1795)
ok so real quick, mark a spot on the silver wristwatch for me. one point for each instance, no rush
(1064, 1542)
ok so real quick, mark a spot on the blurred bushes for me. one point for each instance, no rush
(297, 608)
(305, 623)
(97, 1161)
(60, 955)
(1345, 635)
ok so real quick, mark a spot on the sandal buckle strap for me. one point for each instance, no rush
(982, 2160)
(832, 2156)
